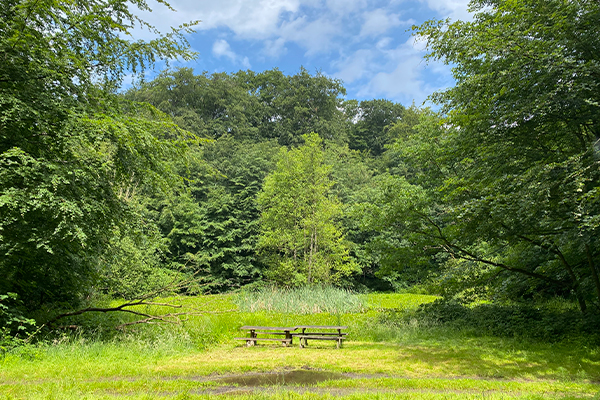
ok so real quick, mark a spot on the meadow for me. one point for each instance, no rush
(390, 354)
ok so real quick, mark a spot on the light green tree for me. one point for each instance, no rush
(71, 152)
(511, 174)
(299, 232)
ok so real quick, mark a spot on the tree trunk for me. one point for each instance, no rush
(575, 281)
(593, 271)
(310, 256)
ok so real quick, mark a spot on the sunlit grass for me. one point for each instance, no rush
(385, 357)
(397, 301)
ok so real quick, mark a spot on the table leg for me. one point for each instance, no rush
(305, 339)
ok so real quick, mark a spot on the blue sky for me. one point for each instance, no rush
(365, 43)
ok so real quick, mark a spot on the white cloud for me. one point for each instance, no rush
(274, 22)
(246, 63)
(356, 66)
(383, 43)
(396, 72)
(405, 82)
(380, 21)
(454, 9)
(275, 48)
(346, 6)
(222, 49)
(251, 19)
(314, 36)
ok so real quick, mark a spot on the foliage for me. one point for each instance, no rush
(386, 216)
(131, 263)
(15, 329)
(211, 228)
(299, 232)
(371, 130)
(249, 106)
(297, 105)
(525, 321)
(68, 149)
(508, 182)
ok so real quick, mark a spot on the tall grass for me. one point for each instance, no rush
(300, 301)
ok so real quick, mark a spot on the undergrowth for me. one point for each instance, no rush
(537, 322)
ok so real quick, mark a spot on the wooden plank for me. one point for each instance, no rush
(320, 327)
(268, 328)
(252, 339)
(314, 337)
(319, 333)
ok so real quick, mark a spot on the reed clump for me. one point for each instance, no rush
(302, 300)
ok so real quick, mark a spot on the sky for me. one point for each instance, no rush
(365, 43)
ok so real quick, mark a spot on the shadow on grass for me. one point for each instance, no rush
(474, 358)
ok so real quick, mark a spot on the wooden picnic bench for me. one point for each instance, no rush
(320, 332)
(254, 331)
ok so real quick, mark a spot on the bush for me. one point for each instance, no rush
(513, 320)
(14, 327)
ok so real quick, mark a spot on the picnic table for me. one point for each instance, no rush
(320, 332)
(254, 331)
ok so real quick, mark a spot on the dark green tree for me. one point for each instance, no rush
(212, 228)
(298, 104)
(249, 106)
(209, 105)
(370, 132)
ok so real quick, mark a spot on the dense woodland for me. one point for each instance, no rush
(240, 180)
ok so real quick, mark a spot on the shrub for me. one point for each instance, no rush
(513, 320)
(13, 325)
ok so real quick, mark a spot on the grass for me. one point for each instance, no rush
(304, 300)
(381, 360)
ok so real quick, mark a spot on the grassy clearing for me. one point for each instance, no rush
(381, 360)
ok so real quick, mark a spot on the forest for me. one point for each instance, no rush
(144, 225)
(204, 183)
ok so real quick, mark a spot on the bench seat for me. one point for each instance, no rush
(318, 336)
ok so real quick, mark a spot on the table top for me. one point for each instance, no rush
(268, 328)
(321, 327)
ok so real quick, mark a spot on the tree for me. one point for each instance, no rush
(212, 227)
(299, 233)
(70, 150)
(249, 106)
(209, 105)
(370, 132)
(297, 105)
(518, 154)
(388, 211)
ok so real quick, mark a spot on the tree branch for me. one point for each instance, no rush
(460, 252)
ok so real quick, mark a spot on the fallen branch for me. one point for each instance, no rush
(120, 308)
